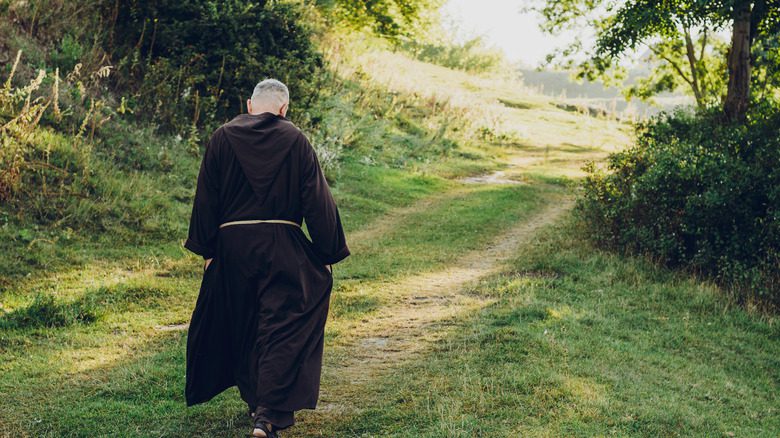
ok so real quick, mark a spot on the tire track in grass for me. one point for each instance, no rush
(387, 222)
(428, 306)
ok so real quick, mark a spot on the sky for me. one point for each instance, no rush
(505, 26)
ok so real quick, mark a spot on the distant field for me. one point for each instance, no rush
(560, 85)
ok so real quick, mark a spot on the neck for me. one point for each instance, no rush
(263, 111)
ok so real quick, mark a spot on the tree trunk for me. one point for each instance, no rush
(738, 96)
(693, 62)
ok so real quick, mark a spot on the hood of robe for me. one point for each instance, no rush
(262, 143)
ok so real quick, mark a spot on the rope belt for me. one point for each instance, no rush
(260, 221)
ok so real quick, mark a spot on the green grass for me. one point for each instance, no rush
(583, 343)
(365, 192)
(114, 360)
(429, 239)
(576, 342)
(105, 213)
(81, 351)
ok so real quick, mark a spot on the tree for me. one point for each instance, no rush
(753, 20)
(626, 25)
(391, 19)
(689, 61)
(194, 61)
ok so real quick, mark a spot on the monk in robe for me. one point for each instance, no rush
(259, 319)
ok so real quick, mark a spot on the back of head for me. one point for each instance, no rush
(270, 93)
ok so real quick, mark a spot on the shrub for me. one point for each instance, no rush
(183, 65)
(196, 61)
(68, 54)
(697, 193)
(25, 152)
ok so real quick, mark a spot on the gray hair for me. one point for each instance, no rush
(271, 91)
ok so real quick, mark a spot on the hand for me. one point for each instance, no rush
(329, 268)
(208, 262)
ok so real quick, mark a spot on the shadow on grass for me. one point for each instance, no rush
(141, 394)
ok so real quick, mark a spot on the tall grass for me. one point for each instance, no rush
(72, 170)
(32, 112)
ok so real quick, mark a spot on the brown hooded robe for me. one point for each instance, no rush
(260, 315)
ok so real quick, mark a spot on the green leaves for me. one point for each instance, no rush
(695, 193)
(194, 62)
(392, 19)
(685, 53)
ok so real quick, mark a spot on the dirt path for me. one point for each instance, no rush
(390, 220)
(510, 175)
(425, 310)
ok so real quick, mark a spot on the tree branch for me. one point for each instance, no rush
(703, 43)
(694, 71)
(673, 63)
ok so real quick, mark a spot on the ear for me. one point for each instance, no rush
(283, 109)
(249, 106)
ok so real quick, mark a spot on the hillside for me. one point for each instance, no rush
(471, 306)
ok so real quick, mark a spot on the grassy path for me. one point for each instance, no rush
(421, 313)
(578, 342)
(73, 380)
(419, 241)
(470, 307)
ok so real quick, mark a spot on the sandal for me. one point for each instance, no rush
(265, 429)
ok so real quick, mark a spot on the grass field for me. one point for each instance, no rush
(581, 343)
(468, 308)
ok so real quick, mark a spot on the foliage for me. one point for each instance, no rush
(54, 34)
(396, 20)
(62, 169)
(696, 193)
(697, 68)
(26, 160)
(766, 69)
(195, 62)
(471, 56)
(677, 33)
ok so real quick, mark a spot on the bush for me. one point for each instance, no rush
(197, 61)
(27, 150)
(70, 157)
(696, 193)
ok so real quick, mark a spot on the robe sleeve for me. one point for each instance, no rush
(204, 222)
(320, 211)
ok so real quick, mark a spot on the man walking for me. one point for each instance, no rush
(260, 315)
